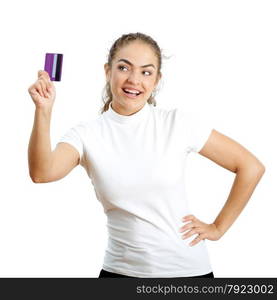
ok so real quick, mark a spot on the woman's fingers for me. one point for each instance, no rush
(44, 74)
(189, 218)
(42, 88)
(187, 226)
(46, 86)
(189, 233)
(33, 91)
(204, 231)
(38, 89)
(194, 230)
(43, 77)
(199, 238)
(194, 223)
(194, 226)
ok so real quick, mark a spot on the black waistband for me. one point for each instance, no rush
(105, 274)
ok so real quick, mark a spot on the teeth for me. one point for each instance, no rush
(133, 92)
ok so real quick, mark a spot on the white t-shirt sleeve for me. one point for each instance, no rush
(75, 137)
(196, 128)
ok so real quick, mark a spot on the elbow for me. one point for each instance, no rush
(256, 169)
(262, 169)
(36, 179)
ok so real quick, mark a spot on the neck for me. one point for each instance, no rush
(125, 111)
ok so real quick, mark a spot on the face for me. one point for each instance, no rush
(135, 68)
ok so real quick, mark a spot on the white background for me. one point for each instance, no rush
(223, 66)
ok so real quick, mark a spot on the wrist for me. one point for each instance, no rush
(220, 230)
(43, 110)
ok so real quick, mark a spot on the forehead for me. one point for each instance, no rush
(137, 53)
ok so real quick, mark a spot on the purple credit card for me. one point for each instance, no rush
(53, 65)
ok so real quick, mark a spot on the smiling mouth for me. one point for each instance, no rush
(130, 94)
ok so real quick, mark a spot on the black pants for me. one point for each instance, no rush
(106, 274)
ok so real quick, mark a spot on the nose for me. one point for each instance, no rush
(133, 78)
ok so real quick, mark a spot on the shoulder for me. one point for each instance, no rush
(84, 126)
(163, 112)
(174, 115)
(91, 123)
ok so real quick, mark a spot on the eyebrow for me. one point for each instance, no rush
(129, 63)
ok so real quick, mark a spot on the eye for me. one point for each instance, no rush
(120, 67)
(148, 72)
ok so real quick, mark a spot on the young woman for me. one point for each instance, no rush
(135, 155)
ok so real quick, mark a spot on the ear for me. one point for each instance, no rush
(107, 71)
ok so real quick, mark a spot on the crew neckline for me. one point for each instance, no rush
(131, 118)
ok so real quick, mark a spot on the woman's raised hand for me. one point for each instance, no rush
(43, 91)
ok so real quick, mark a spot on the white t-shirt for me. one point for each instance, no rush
(137, 166)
